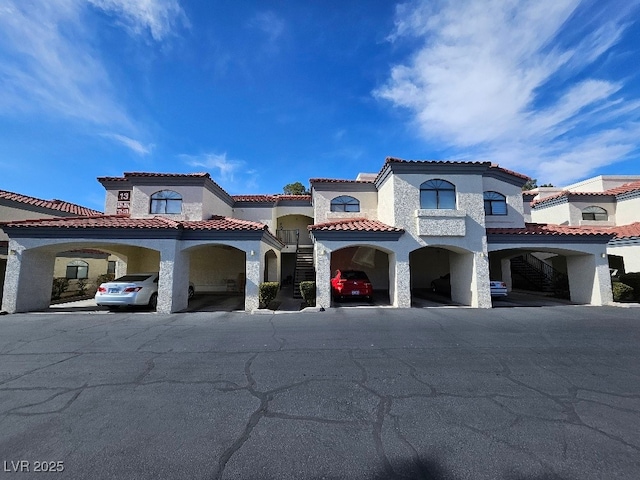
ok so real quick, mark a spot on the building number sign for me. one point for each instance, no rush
(124, 201)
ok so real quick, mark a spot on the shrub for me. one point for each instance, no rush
(105, 277)
(82, 286)
(622, 292)
(308, 292)
(632, 280)
(267, 292)
(60, 285)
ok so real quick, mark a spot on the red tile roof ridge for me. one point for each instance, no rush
(99, 221)
(220, 222)
(510, 172)
(627, 187)
(54, 204)
(337, 180)
(451, 162)
(551, 229)
(359, 223)
(160, 174)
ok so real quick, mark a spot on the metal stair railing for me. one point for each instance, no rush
(556, 280)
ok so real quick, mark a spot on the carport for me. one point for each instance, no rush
(148, 244)
(573, 260)
(371, 260)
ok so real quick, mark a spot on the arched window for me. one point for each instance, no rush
(345, 203)
(595, 213)
(437, 193)
(77, 269)
(166, 201)
(494, 203)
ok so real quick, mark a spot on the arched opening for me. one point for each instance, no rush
(373, 263)
(218, 275)
(270, 266)
(595, 213)
(539, 276)
(438, 194)
(441, 275)
(66, 275)
(165, 202)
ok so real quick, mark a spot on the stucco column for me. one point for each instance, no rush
(173, 284)
(505, 266)
(254, 267)
(482, 290)
(400, 280)
(28, 279)
(589, 279)
(323, 275)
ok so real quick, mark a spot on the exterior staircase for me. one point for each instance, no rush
(531, 273)
(305, 270)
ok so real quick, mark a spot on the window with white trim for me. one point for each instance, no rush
(166, 201)
(494, 203)
(438, 194)
(595, 213)
(345, 203)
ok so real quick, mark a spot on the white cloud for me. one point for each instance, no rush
(234, 174)
(48, 65)
(271, 25)
(158, 16)
(130, 143)
(477, 82)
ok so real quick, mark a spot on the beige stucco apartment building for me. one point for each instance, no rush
(606, 203)
(406, 225)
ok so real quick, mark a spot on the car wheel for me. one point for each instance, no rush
(192, 292)
(153, 301)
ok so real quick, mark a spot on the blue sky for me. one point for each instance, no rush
(264, 93)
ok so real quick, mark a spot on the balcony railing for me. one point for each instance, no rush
(288, 237)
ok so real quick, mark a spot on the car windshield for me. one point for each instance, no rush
(133, 278)
(354, 275)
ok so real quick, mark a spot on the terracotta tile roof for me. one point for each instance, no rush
(96, 221)
(57, 205)
(127, 175)
(218, 222)
(354, 224)
(535, 229)
(510, 172)
(627, 231)
(254, 198)
(437, 162)
(269, 198)
(626, 188)
(337, 180)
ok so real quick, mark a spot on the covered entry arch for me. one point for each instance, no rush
(582, 254)
(440, 265)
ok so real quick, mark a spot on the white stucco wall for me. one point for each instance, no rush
(515, 207)
(10, 214)
(386, 201)
(628, 210)
(601, 183)
(257, 214)
(559, 214)
(630, 254)
(322, 205)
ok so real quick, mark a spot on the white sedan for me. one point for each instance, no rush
(132, 289)
(498, 288)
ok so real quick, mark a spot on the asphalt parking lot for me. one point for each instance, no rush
(361, 393)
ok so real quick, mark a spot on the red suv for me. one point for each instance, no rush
(351, 283)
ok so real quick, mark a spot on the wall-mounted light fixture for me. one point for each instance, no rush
(252, 253)
(604, 255)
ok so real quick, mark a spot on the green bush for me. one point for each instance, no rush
(104, 278)
(267, 292)
(60, 285)
(622, 292)
(82, 286)
(308, 292)
(632, 280)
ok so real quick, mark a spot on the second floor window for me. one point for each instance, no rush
(345, 203)
(166, 201)
(595, 213)
(437, 194)
(495, 203)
